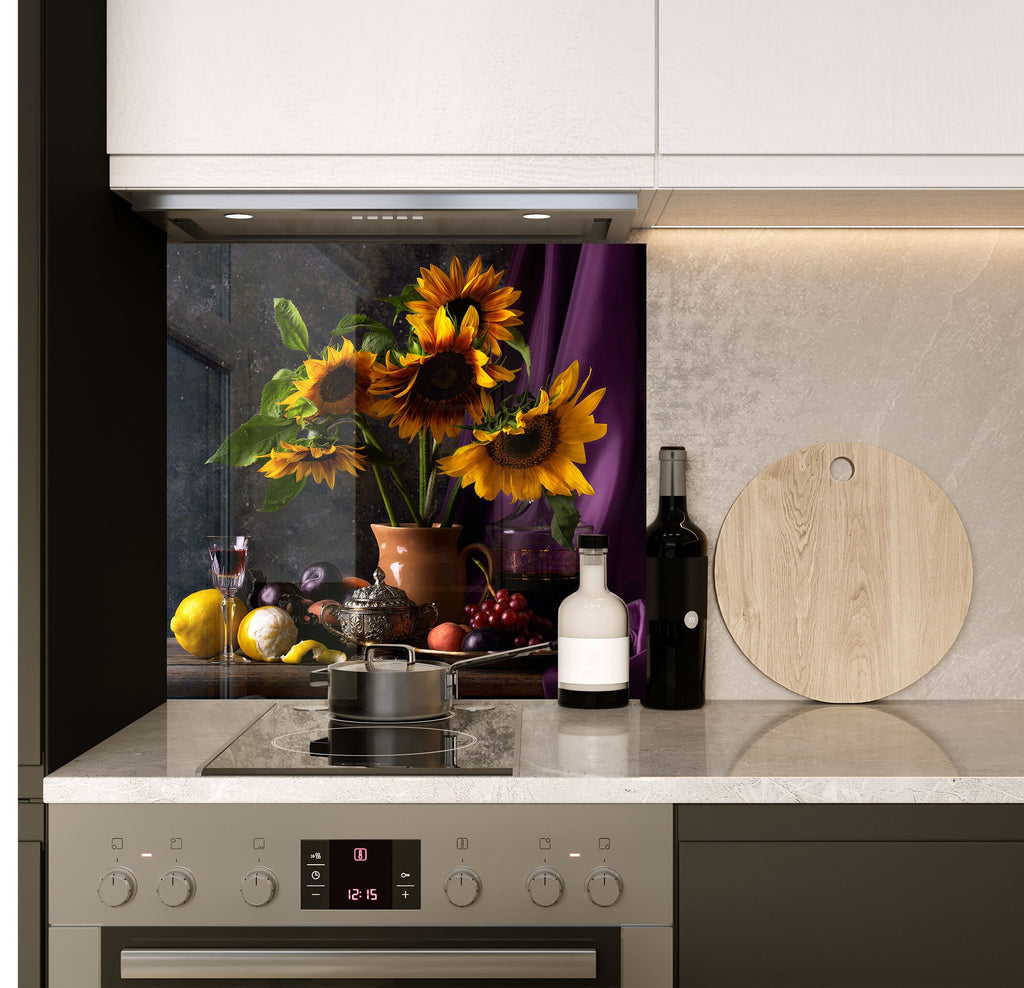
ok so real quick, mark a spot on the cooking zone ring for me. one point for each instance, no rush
(301, 740)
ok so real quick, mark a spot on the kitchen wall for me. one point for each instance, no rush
(761, 342)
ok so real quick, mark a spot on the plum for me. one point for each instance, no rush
(325, 591)
(486, 640)
(271, 593)
(317, 575)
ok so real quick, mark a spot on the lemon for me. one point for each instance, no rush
(267, 633)
(198, 623)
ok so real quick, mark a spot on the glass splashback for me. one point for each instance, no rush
(583, 303)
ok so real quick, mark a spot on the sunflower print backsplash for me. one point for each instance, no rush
(438, 374)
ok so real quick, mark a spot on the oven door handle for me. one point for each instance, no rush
(442, 965)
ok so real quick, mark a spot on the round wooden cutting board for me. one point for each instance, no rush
(843, 590)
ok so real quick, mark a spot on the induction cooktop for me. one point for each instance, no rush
(300, 738)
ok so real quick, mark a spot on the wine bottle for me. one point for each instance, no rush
(593, 636)
(677, 594)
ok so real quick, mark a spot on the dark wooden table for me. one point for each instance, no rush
(189, 678)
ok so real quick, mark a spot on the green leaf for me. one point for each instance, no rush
(377, 338)
(275, 391)
(379, 341)
(520, 346)
(280, 491)
(401, 302)
(252, 439)
(294, 334)
(347, 323)
(566, 518)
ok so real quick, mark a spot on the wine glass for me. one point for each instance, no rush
(227, 566)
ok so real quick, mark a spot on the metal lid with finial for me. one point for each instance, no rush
(379, 596)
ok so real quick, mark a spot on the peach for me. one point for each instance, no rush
(446, 637)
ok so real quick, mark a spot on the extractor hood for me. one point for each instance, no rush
(422, 216)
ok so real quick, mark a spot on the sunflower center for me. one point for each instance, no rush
(537, 442)
(338, 385)
(445, 376)
(458, 307)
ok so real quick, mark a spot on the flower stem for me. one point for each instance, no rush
(384, 495)
(424, 471)
(453, 501)
(371, 440)
(406, 496)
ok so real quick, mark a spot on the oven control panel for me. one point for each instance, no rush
(166, 864)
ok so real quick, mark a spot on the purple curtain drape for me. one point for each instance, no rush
(587, 303)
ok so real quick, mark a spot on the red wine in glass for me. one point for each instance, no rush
(227, 568)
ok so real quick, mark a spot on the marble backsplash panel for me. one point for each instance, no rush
(761, 342)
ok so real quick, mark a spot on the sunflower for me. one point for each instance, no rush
(438, 387)
(537, 450)
(319, 462)
(336, 385)
(475, 291)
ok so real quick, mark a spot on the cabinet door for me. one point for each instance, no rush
(802, 77)
(850, 913)
(402, 77)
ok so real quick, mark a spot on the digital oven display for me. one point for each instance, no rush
(360, 874)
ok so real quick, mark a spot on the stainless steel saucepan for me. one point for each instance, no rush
(392, 690)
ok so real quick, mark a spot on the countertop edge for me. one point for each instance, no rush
(433, 789)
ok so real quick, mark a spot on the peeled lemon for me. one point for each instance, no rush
(198, 623)
(267, 633)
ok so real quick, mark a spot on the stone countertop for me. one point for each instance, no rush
(965, 751)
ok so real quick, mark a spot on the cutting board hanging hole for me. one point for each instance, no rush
(841, 468)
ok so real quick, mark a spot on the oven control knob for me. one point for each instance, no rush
(604, 887)
(462, 886)
(117, 887)
(545, 886)
(259, 886)
(176, 887)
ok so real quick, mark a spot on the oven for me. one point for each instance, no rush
(360, 895)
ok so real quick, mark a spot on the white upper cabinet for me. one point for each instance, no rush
(382, 78)
(565, 94)
(881, 80)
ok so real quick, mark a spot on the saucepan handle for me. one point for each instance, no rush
(319, 677)
(475, 660)
(410, 654)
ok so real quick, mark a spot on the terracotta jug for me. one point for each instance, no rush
(428, 565)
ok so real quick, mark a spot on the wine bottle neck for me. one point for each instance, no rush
(672, 479)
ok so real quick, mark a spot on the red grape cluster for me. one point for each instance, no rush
(508, 613)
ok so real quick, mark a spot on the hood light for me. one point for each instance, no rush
(238, 216)
(536, 216)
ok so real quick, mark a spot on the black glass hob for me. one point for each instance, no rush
(300, 738)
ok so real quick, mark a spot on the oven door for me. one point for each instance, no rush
(361, 956)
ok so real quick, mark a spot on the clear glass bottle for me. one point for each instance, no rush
(593, 636)
(677, 594)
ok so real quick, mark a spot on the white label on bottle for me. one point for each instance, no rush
(590, 664)
(691, 619)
